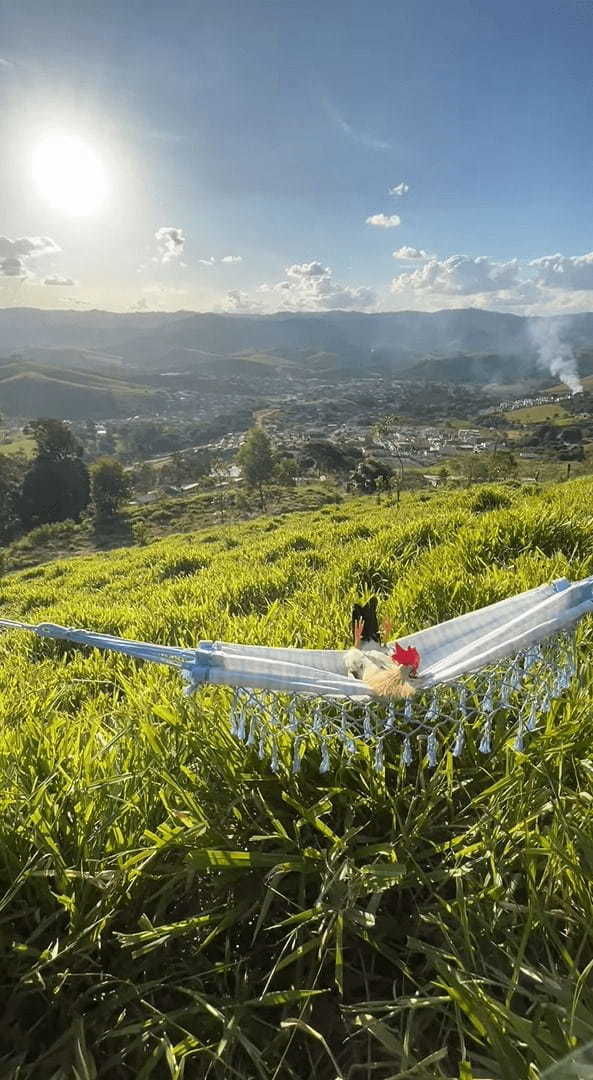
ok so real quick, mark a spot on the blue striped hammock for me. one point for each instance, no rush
(510, 659)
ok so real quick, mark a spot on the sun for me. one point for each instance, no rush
(69, 175)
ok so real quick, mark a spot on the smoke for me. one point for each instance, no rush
(554, 353)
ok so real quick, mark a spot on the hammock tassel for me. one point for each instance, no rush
(459, 741)
(432, 750)
(407, 753)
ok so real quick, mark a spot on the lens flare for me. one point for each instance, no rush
(69, 175)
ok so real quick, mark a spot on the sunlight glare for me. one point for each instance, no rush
(69, 175)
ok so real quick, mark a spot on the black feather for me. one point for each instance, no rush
(368, 613)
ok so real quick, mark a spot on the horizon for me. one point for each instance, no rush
(402, 157)
(565, 317)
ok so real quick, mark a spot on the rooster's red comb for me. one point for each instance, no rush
(409, 657)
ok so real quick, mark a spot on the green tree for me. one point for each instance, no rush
(371, 476)
(257, 461)
(144, 478)
(55, 441)
(57, 485)
(9, 499)
(110, 486)
(285, 471)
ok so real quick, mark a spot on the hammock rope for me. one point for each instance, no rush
(508, 660)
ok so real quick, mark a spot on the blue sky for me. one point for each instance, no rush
(269, 133)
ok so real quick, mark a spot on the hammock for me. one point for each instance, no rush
(513, 658)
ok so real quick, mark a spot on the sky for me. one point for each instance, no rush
(266, 155)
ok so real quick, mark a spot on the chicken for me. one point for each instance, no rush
(386, 670)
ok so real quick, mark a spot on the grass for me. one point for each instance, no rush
(537, 414)
(22, 445)
(165, 517)
(171, 908)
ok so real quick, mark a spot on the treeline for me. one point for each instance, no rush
(57, 484)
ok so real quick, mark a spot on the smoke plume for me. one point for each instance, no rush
(554, 353)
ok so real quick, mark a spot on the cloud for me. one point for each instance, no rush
(384, 221)
(165, 290)
(225, 259)
(240, 301)
(57, 279)
(311, 287)
(170, 241)
(12, 266)
(362, 137)
(16, 254)
(4, 63)
(566, 272)
(73, 301)
(410, 254)
(140, 305)
(399, 190)
(459, 275)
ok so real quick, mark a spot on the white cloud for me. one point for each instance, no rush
(170, 241)
(4, 63)
(459, 275)
(225, 259)
(362, 137)
(399, 190)
(384, 221)
(140, 305)
(411, 254)
(566, 272)
(165, 290)
(57, 279)
(15, 254)
(73, 301)
(311, 287)
(240, 301)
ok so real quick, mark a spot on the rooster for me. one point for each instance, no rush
(386, 670)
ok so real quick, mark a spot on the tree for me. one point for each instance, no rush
(285, 471)
(371, 476)
(55, 441)
(9, 499)
(220, 475)
(257, 461)
(110, 486)
(57, 486)
(329, 456)
(143, 478)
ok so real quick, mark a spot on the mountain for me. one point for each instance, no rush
(29, 388)
(481, 368)
(352, 342)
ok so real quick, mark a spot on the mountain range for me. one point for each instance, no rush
(457, 345)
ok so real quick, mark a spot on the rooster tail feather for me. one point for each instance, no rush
(368, 613)
(390, 684)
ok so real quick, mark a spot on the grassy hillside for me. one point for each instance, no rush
(28, 388)
(172, 908)
(537, 414)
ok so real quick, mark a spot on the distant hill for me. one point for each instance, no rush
(35, 389)
(473, 368)
(480, 346)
